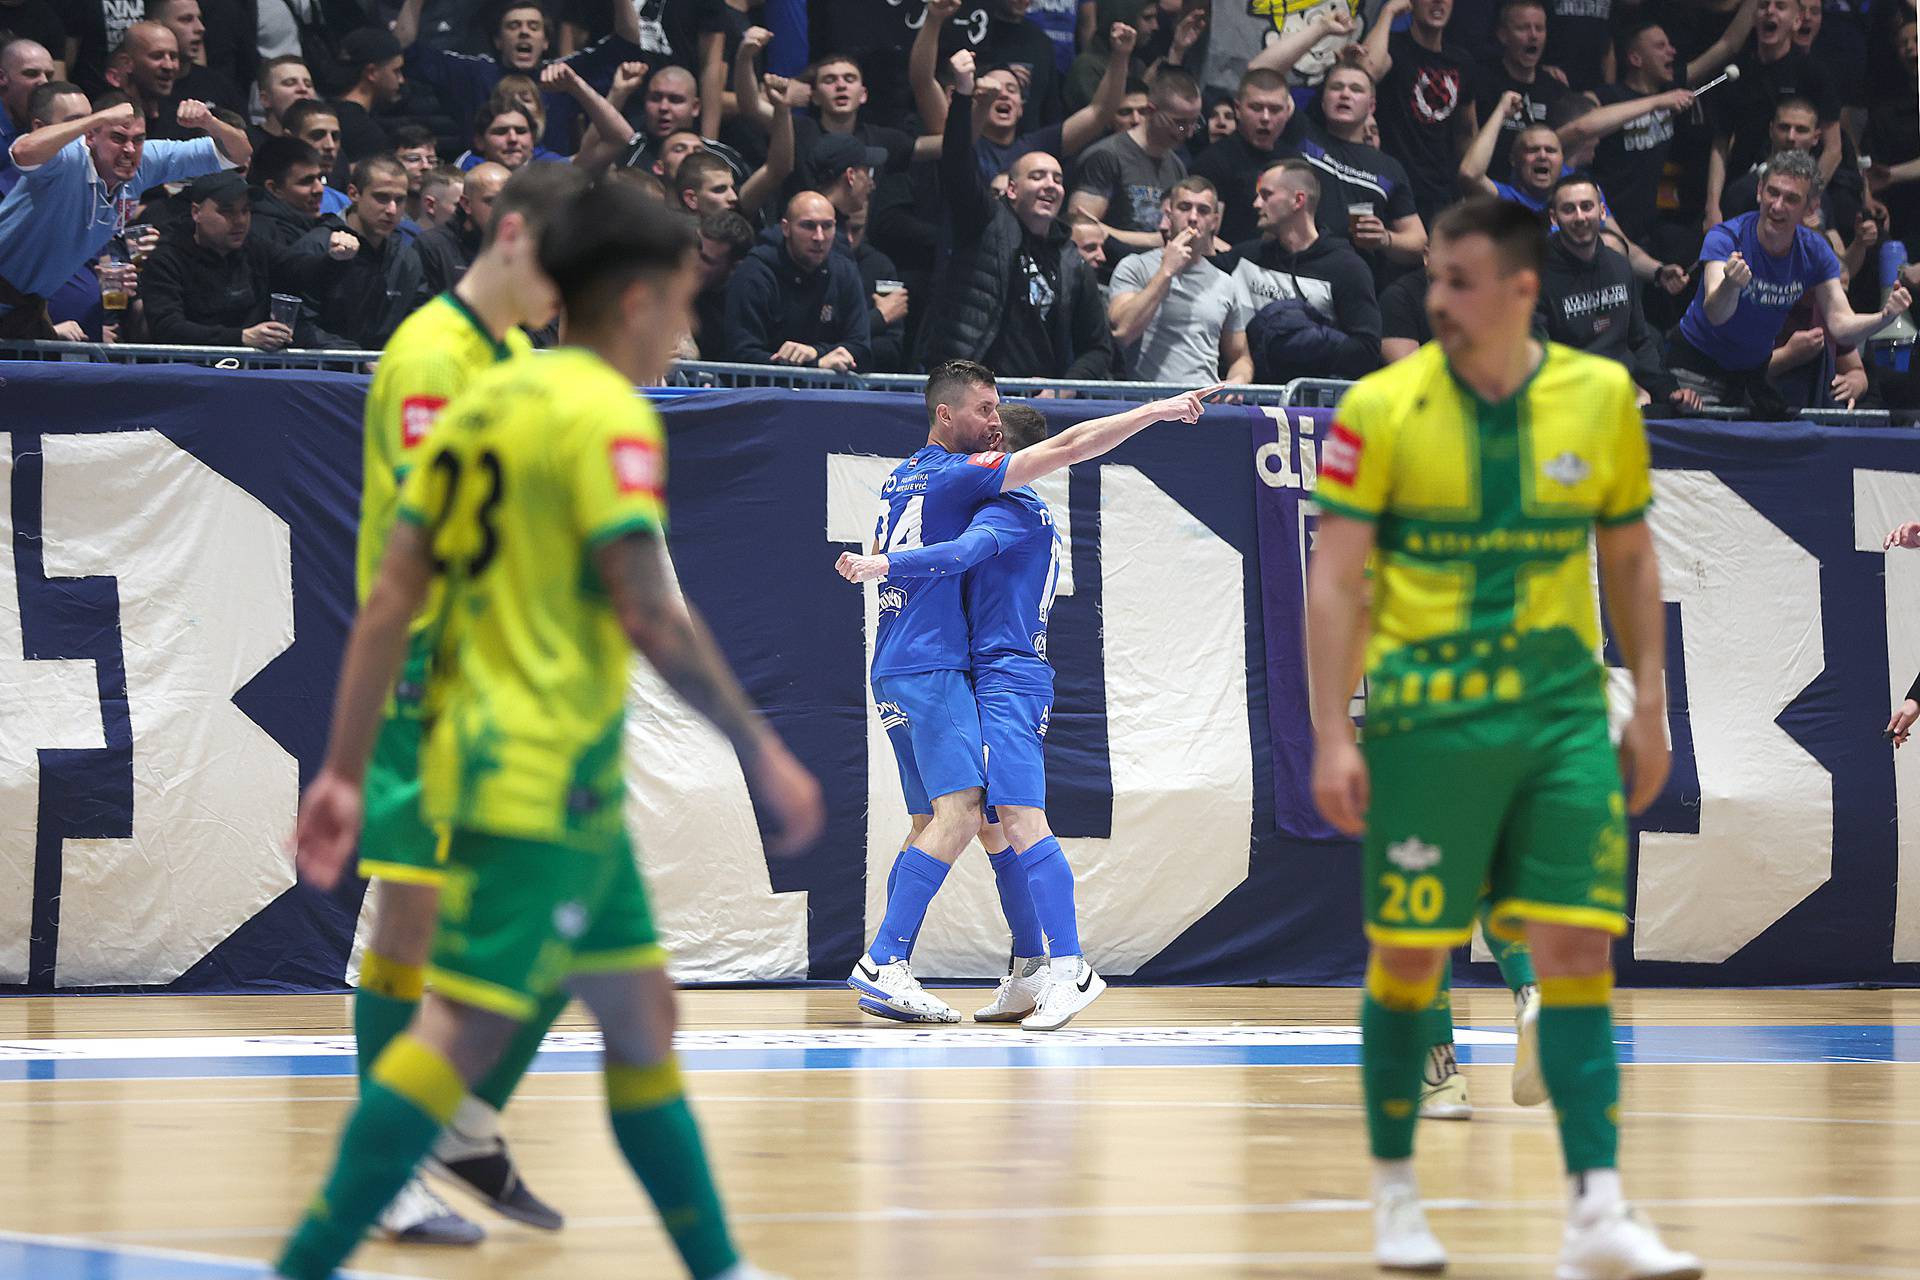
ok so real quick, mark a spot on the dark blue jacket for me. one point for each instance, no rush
(771, 300)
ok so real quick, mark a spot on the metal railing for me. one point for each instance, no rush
(701, 375)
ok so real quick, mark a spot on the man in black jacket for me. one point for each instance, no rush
(1320, 276)
(1589, 298)
(1015, 294)
(446, 250)
(796, 301)
(287, 182)
(365, 303)
(213, 286)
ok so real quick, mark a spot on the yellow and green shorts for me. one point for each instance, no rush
(519, 917)
(1524, 805)
(395, 841)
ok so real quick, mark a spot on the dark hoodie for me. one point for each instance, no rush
(1331, 278)
(772, 299)
(276, 221)
(379, 288)
(195, 296)
(446, 251)
(1595, 307)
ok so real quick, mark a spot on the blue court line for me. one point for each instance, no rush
(30, 1257)
(1651, 1045)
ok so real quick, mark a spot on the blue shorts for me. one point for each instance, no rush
(1013, 727)
(931, 720)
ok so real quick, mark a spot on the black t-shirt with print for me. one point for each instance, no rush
(1418, 107)
(1536, 98)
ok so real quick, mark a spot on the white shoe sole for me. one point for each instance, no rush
(1692, 1271)
(1006, 1015)
(1059, 1017)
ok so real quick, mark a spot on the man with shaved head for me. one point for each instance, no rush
(798, 302)
(670, 116)
(1016, 294)
(196, 79)
(25, 65)
(446, 250)
(146, 67)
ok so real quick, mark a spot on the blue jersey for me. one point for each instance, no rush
(928, 499)
(1007, 598)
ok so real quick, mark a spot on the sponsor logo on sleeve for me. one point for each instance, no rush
(1340, 455)
(986, 459)
(416, 418)
(636, 466)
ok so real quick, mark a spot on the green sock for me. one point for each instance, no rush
(1582, 1073)
(383, 1005)
(1436, 1020)
(407, 1097)
(498, 1084)
(1393, 1015)
(1514, 958)
(657, 1134)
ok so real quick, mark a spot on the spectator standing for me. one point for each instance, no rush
(1019, 44)
(1754, 269)
(374, 59)
(885, 291)
(1521, 32)
(672, 108)
(1796, 127)
(1265, 131)
(1336, 333)
(36, 20)
(1365, 194)
(364, 303)
(1426, 91)
(1184, 318)
(1589, 298)
(281, 82)
(287, 181)
(211, 284)
(447, 250)
(1122, 178)
(314, 123)
(197, 79)
(1770, 70)
(796, 302)
(1893, 130)
(1015, 293)
(53, 102)
(839, 93)
(25, 65)
(1090, 66)
(78, 180)
(144, 66)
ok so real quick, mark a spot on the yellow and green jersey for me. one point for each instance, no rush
(429, 360)
(1483, 592)
(526, 475)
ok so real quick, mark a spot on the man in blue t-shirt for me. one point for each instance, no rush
(1754, 269)
(79, 180)
(922, 649)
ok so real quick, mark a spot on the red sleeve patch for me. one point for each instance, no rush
(636, 466)
(986, 459)
(1340, 454)
(417, 414)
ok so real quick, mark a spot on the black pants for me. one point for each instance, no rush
(1736, 388)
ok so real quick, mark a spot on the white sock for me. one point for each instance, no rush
(1393, 1175)
(474, 1130)
(1593, 1193)
(1067, 967)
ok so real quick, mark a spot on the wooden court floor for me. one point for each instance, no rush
(1802, 1161)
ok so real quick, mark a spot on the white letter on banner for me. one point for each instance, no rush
(45, 704)
(1881, 501)
(1749, 601)
(205, 577)
(692, 821)
(1180, 749)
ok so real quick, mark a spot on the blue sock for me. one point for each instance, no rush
(1016, 902)
(893, 877)
(916, 878)
(1051, 881)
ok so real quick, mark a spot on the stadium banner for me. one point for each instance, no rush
(176, 582)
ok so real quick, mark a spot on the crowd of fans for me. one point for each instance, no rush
(1079, 191)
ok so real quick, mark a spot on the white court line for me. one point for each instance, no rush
(102, 1243)
(1177, 1261)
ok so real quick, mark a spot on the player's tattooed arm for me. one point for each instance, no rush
(330, 809)
(665, 628)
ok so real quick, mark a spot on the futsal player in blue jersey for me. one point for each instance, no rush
(1010, 559)
(921, 657)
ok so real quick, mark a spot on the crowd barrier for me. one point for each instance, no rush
(176, 580)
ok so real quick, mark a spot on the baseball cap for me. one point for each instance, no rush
(835, 153)
(368, 45)
(226, 186)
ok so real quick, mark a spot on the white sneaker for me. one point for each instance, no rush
(1619, 1244)
(417, 1216)
(1020, 991)
(1072, 985)
(1401, 1240)
(1443, 1090)
(891, 991)
(1529, 1085)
